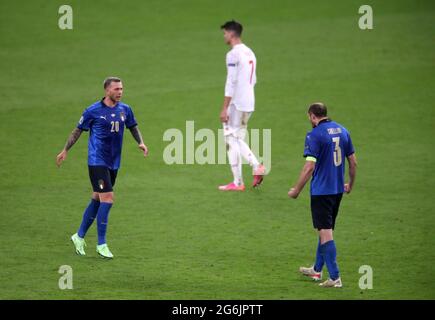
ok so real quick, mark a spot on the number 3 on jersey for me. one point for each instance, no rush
(114, 126)
(337, 151)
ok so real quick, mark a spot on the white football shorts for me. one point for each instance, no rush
(237, 122)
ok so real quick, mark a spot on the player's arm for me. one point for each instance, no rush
(135, 132)
(230, 84)
(72, 139)
(224, 112)
(304, 177)
(352, 173)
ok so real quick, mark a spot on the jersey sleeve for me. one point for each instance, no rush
(130, 120)
(349, 149)
(85, 121)
(312, 147)
(232, 65)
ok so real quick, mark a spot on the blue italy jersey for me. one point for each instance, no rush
(106, 125)
(330, 144)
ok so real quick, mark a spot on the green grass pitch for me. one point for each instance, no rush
(173, 234)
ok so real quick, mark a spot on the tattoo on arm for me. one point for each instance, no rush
(74, 136)
(136, 134)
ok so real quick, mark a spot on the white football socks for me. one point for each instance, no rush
(235, 160)
(248, 154)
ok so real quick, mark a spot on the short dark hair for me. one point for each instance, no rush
(318, 109)
(109, 80)
(234, 26)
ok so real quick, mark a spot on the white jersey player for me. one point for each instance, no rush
(239, 103)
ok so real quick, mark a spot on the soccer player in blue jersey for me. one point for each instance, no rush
(326, 147)
(105, 120)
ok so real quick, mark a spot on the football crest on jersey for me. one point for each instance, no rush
(122, 115)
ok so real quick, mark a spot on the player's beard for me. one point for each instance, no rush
(114, 99)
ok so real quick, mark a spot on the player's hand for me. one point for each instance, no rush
(144, 149)
(224, 116)
(61, 157)
(293, 193)
(347, 188)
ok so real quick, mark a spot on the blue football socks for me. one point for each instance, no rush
(318, 265)
(88, 217)
(102, 220)
(329, 253)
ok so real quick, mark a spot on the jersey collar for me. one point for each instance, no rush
(104, 105)
(323, 121)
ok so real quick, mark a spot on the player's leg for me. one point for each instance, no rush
(322, 211)
(235, 159)
(233, 151)
(246, 152)
(329, 253)
(248, 155)
(89, 215)
(325, 235)
(106, 202)
(327, 248)
(102, 180)
(318, 265)
(315, 271)
(235, 162)
(87, 220)
(106, 199)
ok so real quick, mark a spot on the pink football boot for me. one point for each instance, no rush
(258, 176)
(232, 187)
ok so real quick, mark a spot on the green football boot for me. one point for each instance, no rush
(103, 251)
(79, 244)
